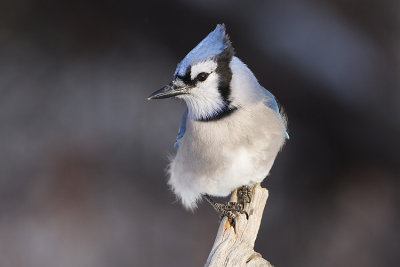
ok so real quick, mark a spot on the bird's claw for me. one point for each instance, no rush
(229, 209)
(244, 195)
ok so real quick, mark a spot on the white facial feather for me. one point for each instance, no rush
(205, 66)
(204, 100)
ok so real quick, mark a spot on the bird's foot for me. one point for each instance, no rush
(228, 209)
(244, 195)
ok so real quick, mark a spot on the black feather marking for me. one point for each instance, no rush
(187, 78)
(225, 112)
(225, 76)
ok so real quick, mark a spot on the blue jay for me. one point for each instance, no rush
(231, 129)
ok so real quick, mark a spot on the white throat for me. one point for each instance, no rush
(202, 107)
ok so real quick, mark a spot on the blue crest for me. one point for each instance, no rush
(215, 42)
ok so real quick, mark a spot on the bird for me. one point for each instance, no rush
(231, 130)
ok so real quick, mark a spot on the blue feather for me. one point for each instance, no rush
(182, 127)
(209, 47)
(270, 102)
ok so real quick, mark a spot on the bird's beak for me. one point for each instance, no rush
(168, 91)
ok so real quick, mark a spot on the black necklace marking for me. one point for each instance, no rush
(225, 112)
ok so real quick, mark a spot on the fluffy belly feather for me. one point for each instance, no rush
(216, 157)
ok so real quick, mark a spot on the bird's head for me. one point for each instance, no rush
(203, 78)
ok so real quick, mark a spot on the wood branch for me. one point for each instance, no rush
(234, 246)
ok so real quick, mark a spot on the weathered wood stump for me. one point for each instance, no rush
(234, 245)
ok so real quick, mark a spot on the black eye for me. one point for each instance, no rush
(202, 76)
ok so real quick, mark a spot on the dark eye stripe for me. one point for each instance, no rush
(186, 79)
(202, 76)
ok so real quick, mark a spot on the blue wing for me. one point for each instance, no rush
(182, 127)
(270, 102)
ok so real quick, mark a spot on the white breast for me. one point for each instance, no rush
(215, 157)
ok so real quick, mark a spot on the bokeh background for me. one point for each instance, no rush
(83, 153)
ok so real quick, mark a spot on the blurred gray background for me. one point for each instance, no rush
(83, 153)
